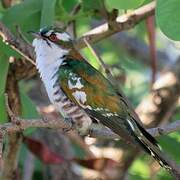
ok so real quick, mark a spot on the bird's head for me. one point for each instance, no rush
(53, 43)
(52, 36)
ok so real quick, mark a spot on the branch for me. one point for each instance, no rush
(18, 125)
(158, 131)
(97, 132)
(14, 139)
(17, 44)
(103, 132)
(100, 61)
(124, 22)
(23, 124)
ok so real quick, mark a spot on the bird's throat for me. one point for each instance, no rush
(48, 61)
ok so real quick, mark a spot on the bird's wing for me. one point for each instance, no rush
(88, 88)
(85, 86)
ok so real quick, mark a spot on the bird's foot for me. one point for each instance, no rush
(71, 123)
(45, 119)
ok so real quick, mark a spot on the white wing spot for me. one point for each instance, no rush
(80, 96)
(105, 115)
(152, 153)
(77, 85)
(159, 147)
(63, 36)
(140, 138)
(110, 114)
(89, 107)
(48, 33)
(132, 126)
(115, 114)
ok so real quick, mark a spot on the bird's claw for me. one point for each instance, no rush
(72, 125)
(44, 118)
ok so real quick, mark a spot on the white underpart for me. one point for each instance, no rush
(48, 54)
(63, 36)
(48, 60)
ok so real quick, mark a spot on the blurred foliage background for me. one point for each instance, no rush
(127, 54)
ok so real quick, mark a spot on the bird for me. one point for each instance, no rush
(81, 93)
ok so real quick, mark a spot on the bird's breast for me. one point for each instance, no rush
(49, 75)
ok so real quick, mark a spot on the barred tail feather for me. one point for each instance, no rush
(130, 130)
(149, 144)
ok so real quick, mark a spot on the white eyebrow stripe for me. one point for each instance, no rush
(49, 33)
(63, 36)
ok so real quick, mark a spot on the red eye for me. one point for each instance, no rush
(53, 37)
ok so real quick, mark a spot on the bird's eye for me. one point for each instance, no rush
(53, 37)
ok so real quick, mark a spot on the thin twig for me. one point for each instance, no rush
(2, 133)
(99, 59)
(17, 44)
(102, 132)
(21, 35)
(12, 116)
(11, 150)
(123, 22)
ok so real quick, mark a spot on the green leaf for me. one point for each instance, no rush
(61, 13)
(140, 168)
(78, 151)
(123, 4)
(28, 110)
(89, 5)
(168, 17)
(27, 15)
(169, 142)
(28, 107)
(69, 5)
(24, 151)
(6, 52)
(3, 113)
(30, 15)
(4, 64)
(48, 12)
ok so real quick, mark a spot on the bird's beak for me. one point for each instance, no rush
(35, 34)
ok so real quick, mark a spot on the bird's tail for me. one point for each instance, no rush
(132, 131)
(149, 144)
